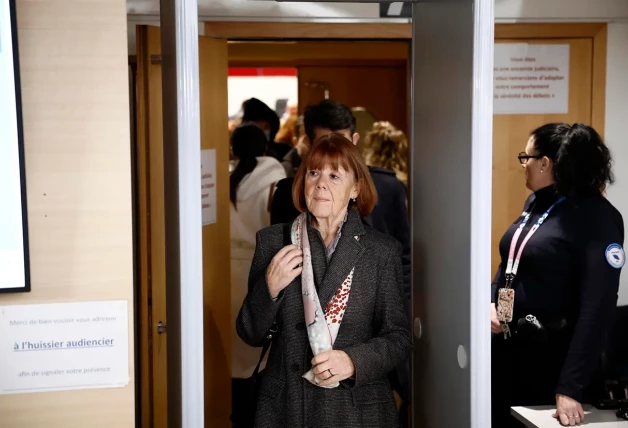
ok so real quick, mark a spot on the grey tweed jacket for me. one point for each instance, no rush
(374, 331)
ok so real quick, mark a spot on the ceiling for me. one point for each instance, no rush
(561, 10)
(265, 9)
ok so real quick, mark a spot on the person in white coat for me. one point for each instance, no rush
(251, 188)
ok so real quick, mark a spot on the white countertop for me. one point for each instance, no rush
(541, 417)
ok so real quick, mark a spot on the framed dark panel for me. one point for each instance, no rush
(451, 148)
(14, 252)
(391, 9)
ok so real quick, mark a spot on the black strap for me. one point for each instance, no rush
(267, 341)
(287, 240)
(287, 234)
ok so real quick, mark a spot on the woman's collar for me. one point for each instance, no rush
(546, 192)
(352, 225)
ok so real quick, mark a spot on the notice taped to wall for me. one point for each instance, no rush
(64, 346)
(208, 186)
(531, 79)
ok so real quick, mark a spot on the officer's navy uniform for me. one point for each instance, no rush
(567, 280)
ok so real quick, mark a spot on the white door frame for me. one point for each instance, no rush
(182, 185)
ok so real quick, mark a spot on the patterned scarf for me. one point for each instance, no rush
(322, 327)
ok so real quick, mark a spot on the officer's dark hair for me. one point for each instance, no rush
(330, 115)
(582, 162)
(248, 142)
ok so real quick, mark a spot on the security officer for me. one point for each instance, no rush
(555, 292)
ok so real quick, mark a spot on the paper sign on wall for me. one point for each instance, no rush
(64, 346)
(208, 185)
(531, 79)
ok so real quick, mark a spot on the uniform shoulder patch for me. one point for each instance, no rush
(615, 256)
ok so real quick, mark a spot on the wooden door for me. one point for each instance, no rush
(152, 240)
(510, 135)
(213, 67)
(382, 90)
(151, 247)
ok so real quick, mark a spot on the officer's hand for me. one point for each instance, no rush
(496, 327)
(568, 411)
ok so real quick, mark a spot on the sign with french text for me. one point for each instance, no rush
(208, 186)
(64, 346)
(531, 78)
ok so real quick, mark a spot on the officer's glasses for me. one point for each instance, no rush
(523, 157)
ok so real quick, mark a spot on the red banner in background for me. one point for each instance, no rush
(262, 72)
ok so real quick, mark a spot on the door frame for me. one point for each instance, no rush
(267, 30)
(366, 31)
(294, 53)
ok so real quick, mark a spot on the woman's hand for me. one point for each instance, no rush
(283, 269)
(568, 411)
(496, 327)
(332, 366)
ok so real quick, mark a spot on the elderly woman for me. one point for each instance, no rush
(335, 294)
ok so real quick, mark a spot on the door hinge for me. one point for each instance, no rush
(155, 59)
(161, 327)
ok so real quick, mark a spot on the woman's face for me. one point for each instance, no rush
(328, 191)
(537, 171)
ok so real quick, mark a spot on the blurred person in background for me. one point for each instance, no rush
(293, 158)
(286, 131)
(254, 110)
(385, 146)
(251, 188)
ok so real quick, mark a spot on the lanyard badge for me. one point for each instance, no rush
(506, 295)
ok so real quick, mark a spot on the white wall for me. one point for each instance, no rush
(615, 129)
(265, 88)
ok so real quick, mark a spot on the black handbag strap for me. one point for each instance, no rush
(287, 234)
(287, 240)
(267, 341)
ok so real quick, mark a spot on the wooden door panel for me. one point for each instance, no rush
(381, 90)
(152, 246)
(510, 135)
(213, 69)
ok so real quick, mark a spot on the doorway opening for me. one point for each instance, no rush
(369, 76)
(289, 76)
(277, 87)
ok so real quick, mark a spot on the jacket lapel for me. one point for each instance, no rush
(344, 259)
